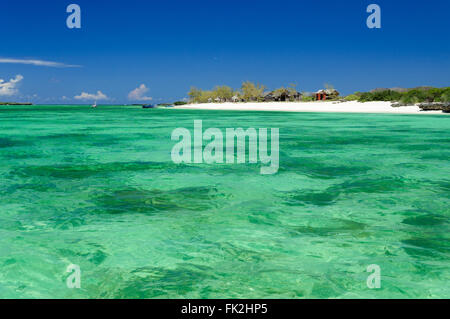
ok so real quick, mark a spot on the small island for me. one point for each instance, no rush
(251, 96)
(15, 103)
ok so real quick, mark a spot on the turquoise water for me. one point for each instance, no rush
(97, 188)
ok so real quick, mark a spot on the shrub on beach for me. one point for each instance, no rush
(384, 95)
(409, 100)
(425, 94)
(351, 97)
(200, 96)
(252, 92)
(249, 92)
(446, 96)
(409, 97)
(308, 98)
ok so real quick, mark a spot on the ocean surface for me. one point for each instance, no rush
(97, 188)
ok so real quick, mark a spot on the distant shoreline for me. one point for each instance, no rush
(326, 107)
(373, 107)
(15, 103)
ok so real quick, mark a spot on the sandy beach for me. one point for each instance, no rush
(344, 107)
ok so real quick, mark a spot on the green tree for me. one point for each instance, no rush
(292, 90)
(278, 93)
(409, 99)
(445, 97)
(224, 93)
(329, 86)
(352, 97)
(252, 92)
(207, 97)
(194, 95)
(308, 97)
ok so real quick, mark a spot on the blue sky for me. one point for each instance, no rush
(169, 46)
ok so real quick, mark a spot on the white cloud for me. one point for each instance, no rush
(87, 96)
(10, 88)
(138, 94)
(38, 63)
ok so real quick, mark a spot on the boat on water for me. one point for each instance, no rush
(94, 105)
(148, 106)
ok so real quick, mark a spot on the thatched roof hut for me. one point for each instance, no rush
(235, 99)
(282, 95)
(268, 97)
(327, 94)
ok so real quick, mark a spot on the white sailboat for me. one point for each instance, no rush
(94, 105)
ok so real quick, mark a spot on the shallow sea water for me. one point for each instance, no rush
(97, 188)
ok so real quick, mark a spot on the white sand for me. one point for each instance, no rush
(345, 107)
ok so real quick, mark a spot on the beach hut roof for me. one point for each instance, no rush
(327, 91)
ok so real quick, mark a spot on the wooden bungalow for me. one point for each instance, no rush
(328, 94)
(235, 99)
(268, 97)
(282, 95)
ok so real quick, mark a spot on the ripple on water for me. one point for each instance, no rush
(368, 189)
(157, 282)
(338, 227)
(372, 185)
(91, 252)
(153, 201)
(352, 187)
(317, 168)
(88, 170)
(434, 246)
(86, 138)
(425, 220)
(8, 142)
(324, 198)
